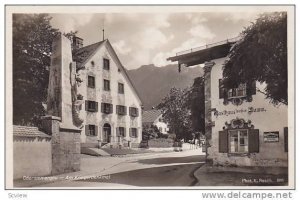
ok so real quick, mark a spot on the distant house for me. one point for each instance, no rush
(154, 117)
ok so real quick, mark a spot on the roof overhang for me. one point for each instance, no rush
(201, 56)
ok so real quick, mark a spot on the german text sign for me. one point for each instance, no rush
(271, 136)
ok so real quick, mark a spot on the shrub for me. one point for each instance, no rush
(161, 143)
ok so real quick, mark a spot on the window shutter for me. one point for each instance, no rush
(137, 112)
(96, 106)
(96, 130)
(136, 133)
(253, 140)
(125, 109)
(111, 108)
(117, 109)
(117, 131)
(286, 139)
(253, 87)
(86, 105)
(130, 111)
(130, 132)
(102, 107)
(124, 131)
(223, 141)
(221, 90)
(87, 130)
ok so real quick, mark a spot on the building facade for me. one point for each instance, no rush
(108, 108)
(247, 130)
(154, 117)
(242, 127)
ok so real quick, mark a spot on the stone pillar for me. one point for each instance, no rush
(59, 99)
(59, 120)
(65, 145)
(207, 97)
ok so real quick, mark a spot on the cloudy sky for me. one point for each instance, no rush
(150, 38)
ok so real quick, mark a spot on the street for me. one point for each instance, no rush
(155, 169)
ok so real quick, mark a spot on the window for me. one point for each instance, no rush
(160, 129)
(121, 88)
(91, 106)
(133, 112)
(133, 132)
(91, 130)
(105, 64)
(237, 92)
(121, 110)
(238, 142)
(106, 85)
(106, 108)
(121, 131)
(242, 91)
(91, 81)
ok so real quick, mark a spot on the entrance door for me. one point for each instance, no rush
(106, 133)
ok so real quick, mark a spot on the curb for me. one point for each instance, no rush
(197, 182)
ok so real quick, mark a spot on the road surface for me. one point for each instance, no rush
(156, 171)
(151, 170)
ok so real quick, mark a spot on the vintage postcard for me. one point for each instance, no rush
(150, 97)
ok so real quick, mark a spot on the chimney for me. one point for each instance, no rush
(77, 43)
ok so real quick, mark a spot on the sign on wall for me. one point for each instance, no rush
(271, 136)
(248, 110)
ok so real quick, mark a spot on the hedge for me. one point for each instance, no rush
(160, 143)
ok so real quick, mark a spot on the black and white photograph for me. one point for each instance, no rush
(150, 97)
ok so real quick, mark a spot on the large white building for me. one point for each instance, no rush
(108, 107)
(242, 127)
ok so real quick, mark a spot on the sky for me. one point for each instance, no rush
(150, 38)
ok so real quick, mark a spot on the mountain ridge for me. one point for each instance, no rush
(154, 83)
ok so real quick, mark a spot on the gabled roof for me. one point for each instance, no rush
(28, 131)
(149, 116)
(81, 57)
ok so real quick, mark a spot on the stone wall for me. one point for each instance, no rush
(65, 145)
(66, 152)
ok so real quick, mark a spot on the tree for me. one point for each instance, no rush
(261, 55)
(176, 113)
(150, 132)
(32, 40)
(195, 102)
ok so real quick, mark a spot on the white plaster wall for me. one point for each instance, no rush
(32, 157)
(274, 119)
(129, 98)
(163, 125)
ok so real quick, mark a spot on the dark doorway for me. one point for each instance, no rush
(106, 133)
